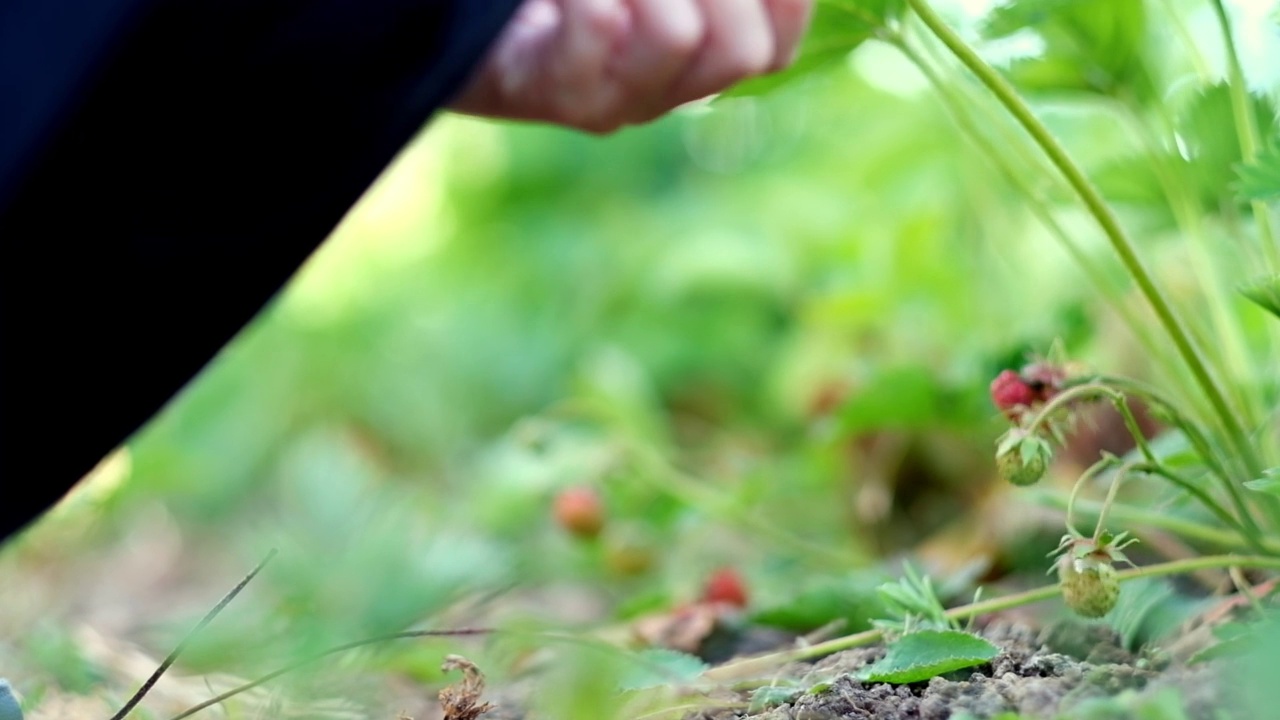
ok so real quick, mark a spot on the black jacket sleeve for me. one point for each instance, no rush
(165, 166)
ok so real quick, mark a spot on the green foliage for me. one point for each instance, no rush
(1259, 179)
(1233, 642)
(853, 601)
(1264, 292)
(771, 696)
(921, 655)
(1095, 46)
(838, 28)
(908, 397)
(1166, 704)
(1268, 483)
(911, 604)
(657, 667)
(721, 321)
(51, 649)
(1207, 127)
(1150, 611)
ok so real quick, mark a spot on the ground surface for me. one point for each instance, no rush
(1037, 675)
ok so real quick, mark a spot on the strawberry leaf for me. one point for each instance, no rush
(657, 666)
(838, 27)
(929, 653)
(1260, 178)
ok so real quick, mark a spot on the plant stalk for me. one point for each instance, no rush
(1247, 132)
(1106, 219)
(1182, 527)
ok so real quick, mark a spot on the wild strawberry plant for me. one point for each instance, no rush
(1197, 166)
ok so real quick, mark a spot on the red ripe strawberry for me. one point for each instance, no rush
(580, 511)
(725, 586)
(1010, 392)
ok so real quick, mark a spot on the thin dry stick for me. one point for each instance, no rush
(173, 656)
(321, 655)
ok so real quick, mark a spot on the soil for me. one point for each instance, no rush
(1037, 675)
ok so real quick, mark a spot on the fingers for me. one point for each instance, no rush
(597, 65)
(739, 43)
(664, 37)
(580, 54)
(790, 20)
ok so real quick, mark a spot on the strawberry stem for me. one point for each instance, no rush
(1237, 437)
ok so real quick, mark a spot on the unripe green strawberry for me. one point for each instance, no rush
(1023, 458)
(1089, 584)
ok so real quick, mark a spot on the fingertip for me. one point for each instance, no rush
(791, 20)
(680, 27)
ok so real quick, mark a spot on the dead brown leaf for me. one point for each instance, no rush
(461, 701)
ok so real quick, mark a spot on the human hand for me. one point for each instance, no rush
(598, 65)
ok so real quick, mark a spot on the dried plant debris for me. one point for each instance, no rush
(461, 701)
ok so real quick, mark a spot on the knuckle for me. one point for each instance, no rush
(607, 17)
(747, 59)
(684, 35)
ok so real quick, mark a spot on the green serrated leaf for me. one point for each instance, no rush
(772, 696)
(1090, 45)
(838, 27)
(1260, 178)
(1264, 291)
(1268, 483)
(655, 667)
(1133, 179)
(1235, 647)
(929, 653)
(1207, 126)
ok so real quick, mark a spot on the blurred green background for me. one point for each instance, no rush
(763, 328)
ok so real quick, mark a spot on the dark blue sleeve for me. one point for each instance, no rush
(165, 167)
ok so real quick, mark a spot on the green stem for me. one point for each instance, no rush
(1106, 218)
(1101, 526)
(1197, 439)
(1106, 462)
(954, 102)
(1207, 500)
(1153, 466)
(1181, 527)
(1121, 405)
(1246, 131)
(1099, 388)
(1171, 172)
(761, 664)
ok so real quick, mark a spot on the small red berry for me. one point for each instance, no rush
(725, 586)
(1010, 392)
(580, 511)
